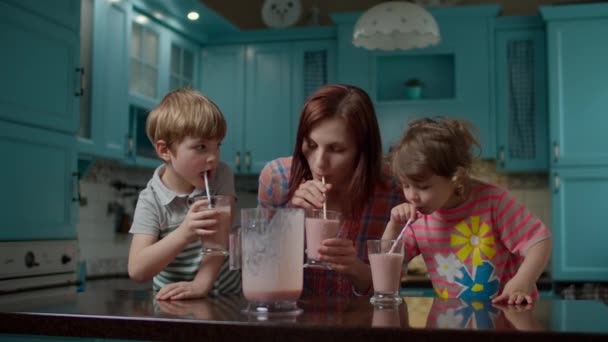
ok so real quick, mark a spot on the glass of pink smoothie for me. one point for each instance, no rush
(217, 244)
(386, 268)
(271, 245)
(320, 225)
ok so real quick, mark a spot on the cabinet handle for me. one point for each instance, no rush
(237, 161)
(555, 152)
(80, 90)
(556, 182)
(248, 160)
(130, 146)
(76, 178)
(502, 155)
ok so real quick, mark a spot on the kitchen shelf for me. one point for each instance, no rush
(435, 71)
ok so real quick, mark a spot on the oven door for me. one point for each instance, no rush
(35, 265)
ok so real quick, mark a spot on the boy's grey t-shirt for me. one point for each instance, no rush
(159, 211)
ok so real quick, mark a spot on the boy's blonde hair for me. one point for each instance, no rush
(182, 113)
(435, 146)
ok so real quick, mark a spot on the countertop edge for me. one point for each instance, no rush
(174, 330)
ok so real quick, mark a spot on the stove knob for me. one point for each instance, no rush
(30, 260)
(65, 259)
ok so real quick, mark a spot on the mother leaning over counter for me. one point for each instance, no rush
(338, 139)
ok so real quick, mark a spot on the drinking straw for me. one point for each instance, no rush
(400, 236)
(207, 190)
(325, 201)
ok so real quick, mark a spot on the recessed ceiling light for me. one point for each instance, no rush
(141, 19)
(193, 15)
(158, 15)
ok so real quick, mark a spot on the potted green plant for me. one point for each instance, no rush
(413, 88)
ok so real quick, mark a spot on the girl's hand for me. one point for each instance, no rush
(199, 221)
(516, 291)
(180, 290)
(310, 195)
(402, 213)
(340, 254)
(399, 216)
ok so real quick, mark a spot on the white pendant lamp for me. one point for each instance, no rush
(395, 25)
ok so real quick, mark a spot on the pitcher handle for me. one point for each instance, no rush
(234, 258)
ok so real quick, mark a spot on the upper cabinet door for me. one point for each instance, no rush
(62, 12)
(222, 80)
(45, 89)
(312, 65)
(268, 115)
(578, 94)
(109, 51)
(183, 63)
(145, 58)
(521, 96)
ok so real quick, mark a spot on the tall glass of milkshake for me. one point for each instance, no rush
(320, 225)
(386, 264)
(216, 244)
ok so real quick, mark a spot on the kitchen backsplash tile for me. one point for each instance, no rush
(106, 251)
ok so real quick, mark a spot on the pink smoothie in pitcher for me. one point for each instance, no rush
(386, 271)
(317, 230)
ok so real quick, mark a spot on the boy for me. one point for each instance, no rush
(186, 129)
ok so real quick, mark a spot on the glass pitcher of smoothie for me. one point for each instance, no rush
(271, 246)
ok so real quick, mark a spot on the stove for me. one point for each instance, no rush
(35, 265)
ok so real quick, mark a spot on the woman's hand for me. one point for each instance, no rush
(516, 291)
(340, 254)
(181, 290)
(310, 195)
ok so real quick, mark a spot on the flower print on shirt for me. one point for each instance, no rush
(476, 240)
(450, 319)
(477, 314)
(448, 267)
(482, 284)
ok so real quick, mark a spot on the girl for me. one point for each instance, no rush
(476, 239)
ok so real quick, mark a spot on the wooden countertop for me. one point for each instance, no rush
(134, 314)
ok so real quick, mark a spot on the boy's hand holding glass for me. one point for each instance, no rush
(199, 223)
(214, 222)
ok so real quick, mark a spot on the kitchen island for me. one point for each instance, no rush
(134, 314)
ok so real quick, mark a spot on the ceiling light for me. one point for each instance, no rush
(141, 19)
(395, 25)
(193, 15)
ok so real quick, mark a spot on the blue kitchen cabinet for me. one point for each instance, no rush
(40, 183)
(578, 95)
(222, 80)
(106, 134)
(251, 84)
(521, 95)
(266, 130)
(62, 12)
(579, 216)
(457, 74)
(135, 62)
(160, 60)
(40, 83)
(578, 102)
(313, 65)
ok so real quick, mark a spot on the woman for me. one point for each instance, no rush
(338, 140)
